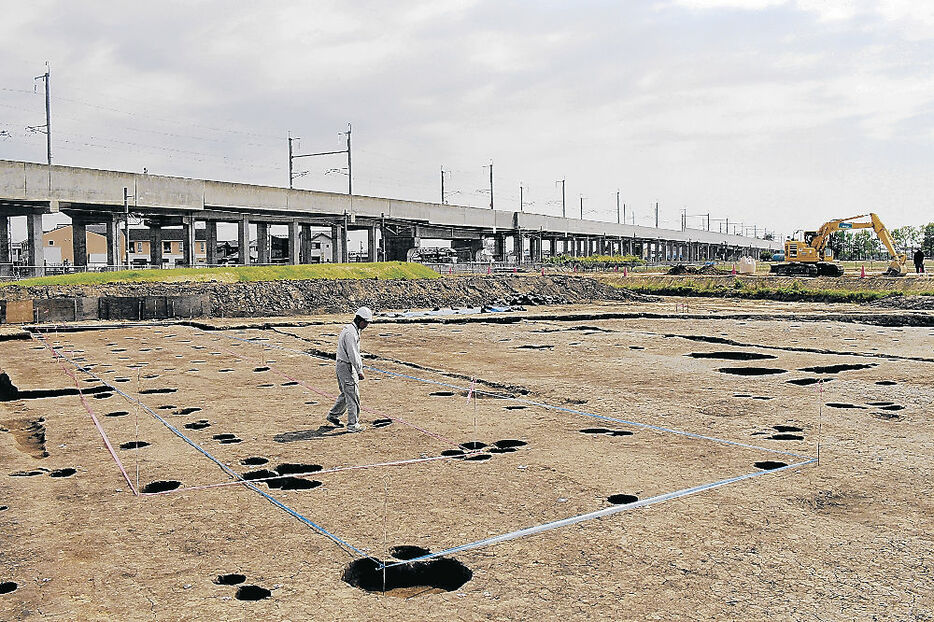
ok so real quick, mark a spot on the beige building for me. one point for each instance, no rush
(58, 247)
(172, 252)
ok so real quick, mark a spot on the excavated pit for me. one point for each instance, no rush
(787, 428)
(836, 369)
(157, 391)
(381, 423)
(161, 485)
(622, 499)
(752, 371)
(252, 592)
(732, 356)
(478, 457)
(769, 465)
(66, 472)
(198, 425)
(510, 443)
(406, 552)
(135, 445)
(292, 468)
(254, 461)
(294, 483)
(473, 445)
(410, 579)
(259, 474)
(229, 579)
(8, 586)
(804, 382)
(843, 405)
(786, 437)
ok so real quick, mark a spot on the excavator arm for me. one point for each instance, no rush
(897, 265)
(810, 258)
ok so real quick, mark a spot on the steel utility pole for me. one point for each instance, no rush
(656, 214)
(292, 156)
(291, 174)
(521, 189)
(349, 166)
(126, 226)
(563, 204)
(48, 116)
(617, 207)
(491, 184)
(582, 207)
(442, 185)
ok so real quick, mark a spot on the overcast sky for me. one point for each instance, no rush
(776, 113)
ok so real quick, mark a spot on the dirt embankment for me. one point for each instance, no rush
(271, 298)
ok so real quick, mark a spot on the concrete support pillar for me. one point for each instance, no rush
(113, 242)
(398, 247)
(188, 240)
(467, 250)
(79, 243)
(535, 248)
(345, 248)
(243, 239)
(35, 257)
(518, 246)
(4, 239)
(304, 254)
(372, 246)
(210, 242)
(338, 239)
(499, 247)
(263, 252)
(155, 245)
(295, 242)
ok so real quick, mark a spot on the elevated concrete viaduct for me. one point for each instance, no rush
(393, 227)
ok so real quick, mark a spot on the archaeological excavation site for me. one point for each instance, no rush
(535, 445)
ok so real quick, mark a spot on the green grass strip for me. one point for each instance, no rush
(234, 274)
(759, 293)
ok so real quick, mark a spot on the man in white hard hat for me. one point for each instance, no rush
(349, 371)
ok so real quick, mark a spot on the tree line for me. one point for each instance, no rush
(864, 244)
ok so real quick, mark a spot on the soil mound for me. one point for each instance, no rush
(915, 303)
(705, 269)
(272, 298)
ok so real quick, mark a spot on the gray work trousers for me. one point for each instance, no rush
(349, 398)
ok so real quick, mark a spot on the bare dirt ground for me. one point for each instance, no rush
(849, 538)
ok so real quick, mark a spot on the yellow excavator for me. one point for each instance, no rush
(811, 257)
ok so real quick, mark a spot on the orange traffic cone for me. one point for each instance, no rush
(862, 272)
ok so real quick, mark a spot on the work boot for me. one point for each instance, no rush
(357, 427)
(333, 420)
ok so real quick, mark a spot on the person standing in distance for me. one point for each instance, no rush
(919, 261)
(349, 372)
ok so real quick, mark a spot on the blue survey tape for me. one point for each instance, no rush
(805, 460)
(564, 522)
(207, 454)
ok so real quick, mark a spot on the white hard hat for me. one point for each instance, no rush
(364, 313)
